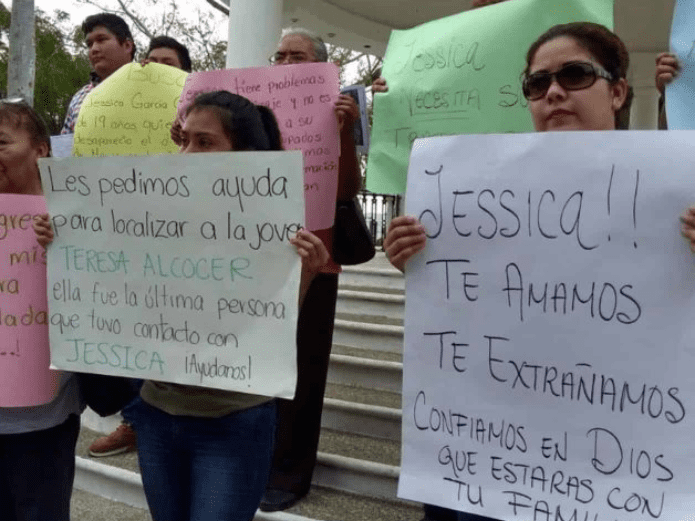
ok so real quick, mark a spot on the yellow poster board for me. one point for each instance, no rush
(130, 113)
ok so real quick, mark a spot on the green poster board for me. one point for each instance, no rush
(461, 75)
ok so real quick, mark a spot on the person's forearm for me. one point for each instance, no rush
(663, 124)
(304, 283)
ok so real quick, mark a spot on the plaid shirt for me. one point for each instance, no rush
(76, 103)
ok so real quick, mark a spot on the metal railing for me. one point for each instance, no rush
(378, 211)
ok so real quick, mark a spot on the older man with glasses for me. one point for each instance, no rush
(299, 420)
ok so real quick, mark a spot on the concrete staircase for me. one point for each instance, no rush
(359, 453)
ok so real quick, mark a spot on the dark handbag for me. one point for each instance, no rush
(352, 241)
(106, 395)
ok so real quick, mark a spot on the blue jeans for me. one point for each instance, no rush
(37, 470)
(204, 469)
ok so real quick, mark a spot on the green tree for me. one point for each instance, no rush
(59, 73)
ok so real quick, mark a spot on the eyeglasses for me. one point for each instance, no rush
(572, 76)
(289, 58)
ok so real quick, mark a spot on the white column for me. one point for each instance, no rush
(254, 31)
(645, 112)
(22, 62)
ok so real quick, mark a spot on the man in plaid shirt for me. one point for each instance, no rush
(110, 46)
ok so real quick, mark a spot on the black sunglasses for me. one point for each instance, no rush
(572, 76)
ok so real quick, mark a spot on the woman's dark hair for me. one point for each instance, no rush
(167, 42)
(484, 3)
(112, 23)
(602, 43)
(248, 126)
(271, 127)
(19, 114)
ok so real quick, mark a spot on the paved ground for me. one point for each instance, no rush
(88, 507)
(319, 504)
(379, 261)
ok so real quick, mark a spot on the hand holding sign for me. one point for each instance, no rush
(405, 237)
(688, 228)
(43, 230)
(667, 69)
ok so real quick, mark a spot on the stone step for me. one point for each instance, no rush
(369, 354)
(346, 409)
(320, 504)
(379, 261)
(373, 278)
(367, 420)
(353, 382)
(86, 506)
(356, 476)
(353, 479)
(363, 396)
(369, 336)
(358, 371)
(371, 304)
(358, 449)
(331, 505)
(102, 478)
(362, 412)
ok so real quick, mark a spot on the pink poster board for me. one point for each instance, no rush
(25, 379)
(302, 97)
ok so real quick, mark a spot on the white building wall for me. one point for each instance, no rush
(645, 112)
(254, 31)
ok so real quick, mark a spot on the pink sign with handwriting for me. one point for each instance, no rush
(25, 379)
(302, 97)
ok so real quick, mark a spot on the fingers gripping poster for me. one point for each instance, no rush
(549, 327)
(177, 268)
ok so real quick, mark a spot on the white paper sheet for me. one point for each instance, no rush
(177, 268)
(550, 327)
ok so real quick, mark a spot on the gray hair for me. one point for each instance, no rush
(317, 43)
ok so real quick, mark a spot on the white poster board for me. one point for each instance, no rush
(61, 145)
(177, 267)
(550, 327)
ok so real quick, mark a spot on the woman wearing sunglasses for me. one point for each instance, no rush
(574, 80)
